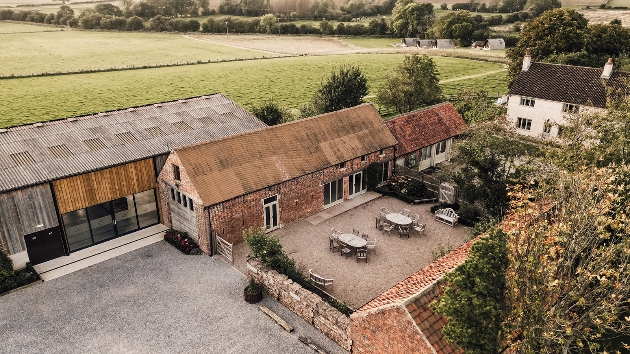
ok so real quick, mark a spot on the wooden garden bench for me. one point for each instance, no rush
(319, 280)
(446, 216)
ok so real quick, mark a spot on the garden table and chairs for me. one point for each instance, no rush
(350, 242)
(398, 219)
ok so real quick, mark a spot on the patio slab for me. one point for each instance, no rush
(395, 258)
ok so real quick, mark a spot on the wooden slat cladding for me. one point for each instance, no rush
(24, 212)
(92, 188)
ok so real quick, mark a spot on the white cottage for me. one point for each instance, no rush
(543, 94)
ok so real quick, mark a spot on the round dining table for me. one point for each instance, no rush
(352, 240)
(398, 219)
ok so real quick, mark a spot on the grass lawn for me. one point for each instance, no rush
(291, 81)
(12, 27)
(80, 50)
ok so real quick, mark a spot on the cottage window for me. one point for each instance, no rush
(411, 160)
(185, 202)
(333, 191)
(523, 123)
(179, 197)
(426, 153)
(440, 147)
(190, 205)
(342, 165)
(570, 108)
(529, 102)
(176, 173)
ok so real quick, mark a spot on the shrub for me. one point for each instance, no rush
(444, 6)
(253, 287)
(135, 23)
(17, 279)
(6, 266)
(182, 242)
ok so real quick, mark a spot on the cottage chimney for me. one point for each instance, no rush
(607, 69)
(527, 61)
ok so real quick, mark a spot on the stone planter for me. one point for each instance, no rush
(252, 298)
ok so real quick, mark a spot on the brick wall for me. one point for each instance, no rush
(387, 330)
(310, 307)
(166, 181)
(297, 198)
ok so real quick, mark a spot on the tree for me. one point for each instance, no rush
(270, 23)
(271, 113)
(108, 10)
(607, 40)
(493, 160)
(344, 88)
(474, 297)
(412, 19)
(568, 281)
(476, 106)
(459, 25)
(554, 32)
(135, 23)
(413, 84)
(537, 7)
(64, 15)
(127, 5)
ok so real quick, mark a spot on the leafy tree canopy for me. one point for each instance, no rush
(271, 113)
(345, 88)
(411, 18)
(412, 84)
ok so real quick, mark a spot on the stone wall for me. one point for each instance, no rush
(309, 306)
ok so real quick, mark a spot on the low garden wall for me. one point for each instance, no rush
(309, 306)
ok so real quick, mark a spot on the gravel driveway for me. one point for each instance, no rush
(152, 300)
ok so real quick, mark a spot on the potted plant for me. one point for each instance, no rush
(253, 292)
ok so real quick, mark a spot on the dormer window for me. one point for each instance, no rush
(570, 108)
(529, 102)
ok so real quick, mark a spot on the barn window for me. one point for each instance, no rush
(382, 152)
(363, 158)
(176, 173)
(185, 201)
(342, 165)
(179, 197)
(190, 204)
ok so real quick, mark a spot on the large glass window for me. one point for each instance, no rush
(77, 227)
(101, 222)
(357, 183)
(147, 208)
(125, 213)
(333, 191)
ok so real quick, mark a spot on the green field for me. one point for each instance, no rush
(291, 81)
(82, 50)
(12, 27)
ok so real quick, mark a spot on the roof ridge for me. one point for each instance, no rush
(277, 126)
(578, 66)
(418, 110)
(96, 114)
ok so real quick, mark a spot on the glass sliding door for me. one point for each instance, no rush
(271, 212)
(147, 208)
(333, 192)
(356, 184)
(77, 228)
(101, 222)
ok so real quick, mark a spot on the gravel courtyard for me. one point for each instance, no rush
(152, 300)
(395, 258)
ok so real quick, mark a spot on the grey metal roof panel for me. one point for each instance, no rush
(74, 131)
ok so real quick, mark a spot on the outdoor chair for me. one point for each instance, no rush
(383, 210)
(405, 212)
(415, 218)
(371, 245)
(379, 223)
(362, 254)
(356, 232)
(388, 227)
(364, 236)
(403, 231)
(334, 244)
(419, 228)
(319, 280)
(345, 250)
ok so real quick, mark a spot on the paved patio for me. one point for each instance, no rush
(395, 258)
(151, 300)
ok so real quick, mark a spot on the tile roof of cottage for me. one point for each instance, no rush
(425, 127)
(570, 84)
(227, 168)
(43, 152)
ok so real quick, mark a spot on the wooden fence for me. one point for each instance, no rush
(224, 248)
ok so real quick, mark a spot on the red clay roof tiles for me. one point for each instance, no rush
(425, 127)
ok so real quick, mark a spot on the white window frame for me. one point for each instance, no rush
(272, 205)
(527, 102)
(523, 123)
(570, 108)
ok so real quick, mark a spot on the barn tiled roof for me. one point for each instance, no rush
(564, 83)
(43, 152)
(227, 168)
(424, 127)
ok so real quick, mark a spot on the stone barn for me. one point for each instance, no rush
(273, 176)
(73, 183)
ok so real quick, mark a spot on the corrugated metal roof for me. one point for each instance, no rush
(77, 145)
(240, 164)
